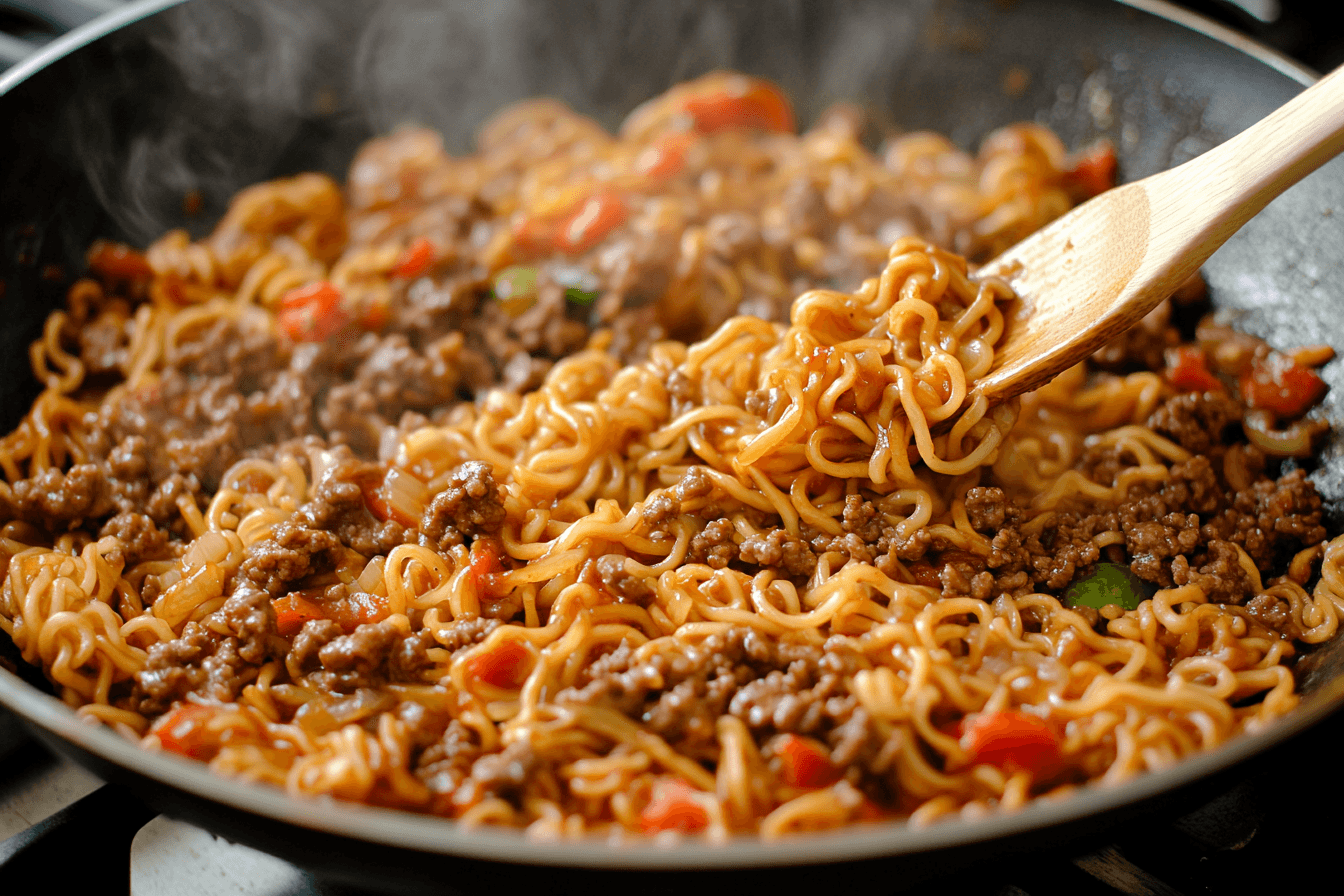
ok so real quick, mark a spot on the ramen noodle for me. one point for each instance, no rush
(598, 483)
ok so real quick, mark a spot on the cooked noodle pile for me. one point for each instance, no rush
(401, 493)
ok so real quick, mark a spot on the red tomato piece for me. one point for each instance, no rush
(1188, 370)
(744, 104)
(1093, 171)
(536, 236)
(417, 258)
(486, 563)
(506, 665)
(1014, 741)
(673, 808)
(117, 261)
(591, 220)
(1281, 385)
(188, 730)
(665, 157)
(312, 313)
(803, 762)
(292, 611)
(356, 609)
(182, 731)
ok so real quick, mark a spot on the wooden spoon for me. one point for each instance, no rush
(1093, 273)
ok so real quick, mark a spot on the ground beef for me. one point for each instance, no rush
(467, 632)
(501, 774)
(59, 499)
(139, 537)
(713, 545)
(988, 509)
(1271, 519)
(172, 670)
(679, 693)
(338, 507)
(470, 504)
(626, 588)
(444, 764)
(303, 653)
(290, 554)
(214, 659)
(371, 656)
(1275, 614)
(364, 650)
(659, 509)
(1197, 421)
(1217, 571)
(777, 549)
(249, 617)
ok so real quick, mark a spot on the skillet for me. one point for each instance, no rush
(108, 128)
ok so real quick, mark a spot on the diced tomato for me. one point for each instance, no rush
(415, 259)
(665, 157)
(1093, 171)
(292, 611)
(312, 313)
(673, 808)
(741, 104)
(1014, 741)
(1188, 370)
(506, 665)
(486, 563)
(592, 220)
(182, 731)
(576, 229)
(1281, 385)
(186, 730)
(536, 235)
(116, 261)
(803, 762)
(356, 609)
(372, 487)
(350, 612)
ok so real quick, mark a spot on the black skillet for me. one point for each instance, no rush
(107, 129)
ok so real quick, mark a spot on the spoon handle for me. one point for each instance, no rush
(1092, 274)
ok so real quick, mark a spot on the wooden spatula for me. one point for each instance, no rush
(1096, 271)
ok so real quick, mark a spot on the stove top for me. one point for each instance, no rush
(52, 810)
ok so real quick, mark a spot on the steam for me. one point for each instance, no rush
(247, 89)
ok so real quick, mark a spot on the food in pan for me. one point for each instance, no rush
(628, 483)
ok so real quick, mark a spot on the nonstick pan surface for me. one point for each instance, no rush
(107, 129)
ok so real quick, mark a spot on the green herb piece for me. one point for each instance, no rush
(1111, 583)
(516, 289)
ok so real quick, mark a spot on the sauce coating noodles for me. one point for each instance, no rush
(405, 493)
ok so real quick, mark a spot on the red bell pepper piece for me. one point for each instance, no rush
(1188, 370)
(506, 665)
(312, 313)
(417, 258)
(1013, 741)
(673, 808)
(805, 763)
(1281, 385)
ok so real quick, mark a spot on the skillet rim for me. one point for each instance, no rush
(432, 835)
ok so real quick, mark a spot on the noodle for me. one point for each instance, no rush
(601, 483)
